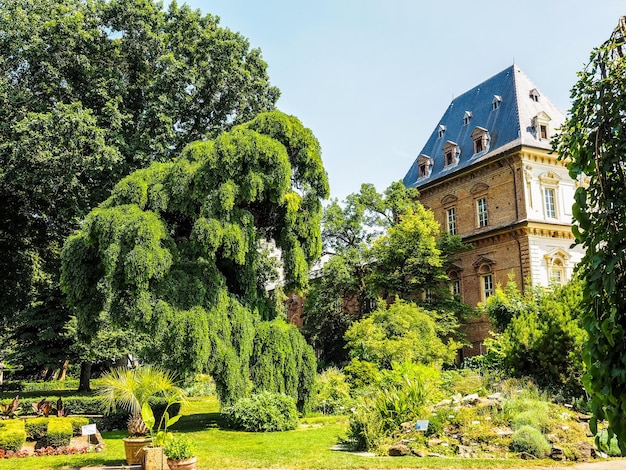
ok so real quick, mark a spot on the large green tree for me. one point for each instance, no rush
(91, 90)
(382, 245)
(593, 139)
(174, 252)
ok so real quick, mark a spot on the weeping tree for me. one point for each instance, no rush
(593, 138)
(176, 253)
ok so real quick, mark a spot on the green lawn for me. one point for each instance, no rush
(305, 448)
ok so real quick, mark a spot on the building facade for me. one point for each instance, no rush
(489, 175)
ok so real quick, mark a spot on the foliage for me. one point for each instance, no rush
(89, 92)
(381, 245)
(506, 304)
(12, 435)
(132, 389)
(530, 440)
(332, 392)
(282, 362)
(404, 394)
(179, 447)
(59, 433)
(608, 444)
(544, 340)
(263, 412)
(592, 140)
(399, 331)
(11, 409)
(174, 251)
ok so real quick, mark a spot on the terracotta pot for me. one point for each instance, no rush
(187, 464)
(133, 446)
(154, 458)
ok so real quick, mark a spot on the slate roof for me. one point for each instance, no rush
(510, 125)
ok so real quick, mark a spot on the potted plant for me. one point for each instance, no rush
(131, 390)
(179, 452)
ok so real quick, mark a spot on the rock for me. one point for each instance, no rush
(465, 452)
(407, 427)
(434, 442)
(470, 399)
(527, 456)
(583, 450)
(419, 453)
(444, 403)
(433, 454)
(398, 450)
(583, 418)
(495, 396)
(557, 454)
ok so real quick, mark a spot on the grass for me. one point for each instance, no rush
(307, 447)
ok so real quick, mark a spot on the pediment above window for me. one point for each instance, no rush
(479, 188)
(483, 264)
(449, 199)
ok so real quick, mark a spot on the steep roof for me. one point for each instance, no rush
(508, 106)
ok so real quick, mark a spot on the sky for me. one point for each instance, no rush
(372, 78)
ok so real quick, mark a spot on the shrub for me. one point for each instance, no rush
(36, 428)
(332, 392)
(12, 436)
(405, 394)
(77, 424)
(179, 447)
(59, 432)
(535, 417)
(530, 440)
(610, 446)
(264, 411)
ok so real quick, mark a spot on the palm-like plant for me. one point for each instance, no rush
(131, 390)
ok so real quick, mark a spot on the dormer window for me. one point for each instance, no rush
(495, 103)
(451, 154)
(441, 130)
(424, 166)
(541, 123)
(480, 137)
(466, 117)
(534, 95)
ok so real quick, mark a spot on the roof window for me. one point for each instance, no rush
(451, 154)
(534, 95)
(541, 124)
(441, 130)
(480, 138)
(495, 103)
(466, 117)
(424, 166)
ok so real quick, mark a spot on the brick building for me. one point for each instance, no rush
(489, 175)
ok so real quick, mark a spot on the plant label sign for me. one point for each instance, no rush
(421, 425)
(89, 430)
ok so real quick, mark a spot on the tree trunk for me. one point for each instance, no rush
(49, 375)
(63, 370)
(85, 376)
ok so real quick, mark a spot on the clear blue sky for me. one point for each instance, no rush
(371, 78)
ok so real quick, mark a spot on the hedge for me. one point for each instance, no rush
(12, 435)
(59, 432)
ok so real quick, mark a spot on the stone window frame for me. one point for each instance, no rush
(557, 260)
(549, 181)
(484, 269)
(541, 125)
(451, 154)
(480, 140)
(424, 166)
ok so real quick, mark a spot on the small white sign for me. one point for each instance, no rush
(421, 425)
(89, 429)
